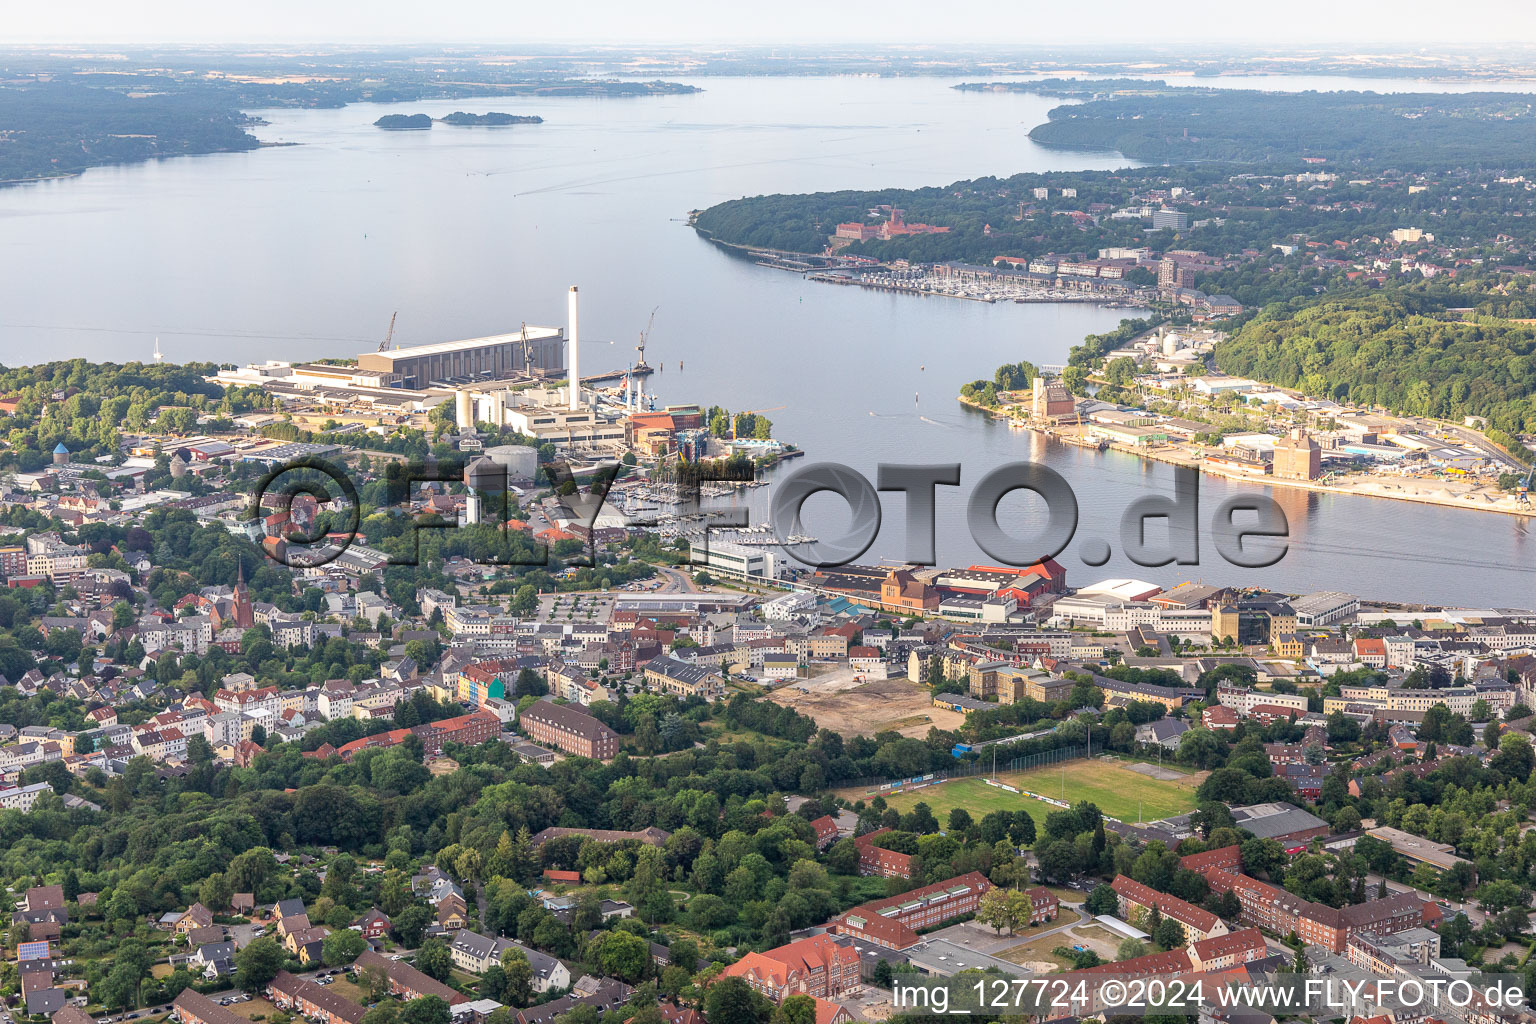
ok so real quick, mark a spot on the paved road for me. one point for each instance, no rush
(678, 582)
(1473, 439)
(982, 939)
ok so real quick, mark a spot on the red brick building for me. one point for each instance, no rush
(874, 860)
(1046, 905)
(1281, 912)
(561, 725)
(1198, 924)
(895, 921)
(470, 729)
(1227, 857)
(826, 831)
(316, 1002)
(192, 1007)
(816, 966)
(405, 981)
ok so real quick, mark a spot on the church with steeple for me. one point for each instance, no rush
(243, 614)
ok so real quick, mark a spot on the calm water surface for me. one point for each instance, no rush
(306, 250)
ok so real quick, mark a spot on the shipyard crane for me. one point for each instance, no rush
(1523, 491)
(389, 335)
(645, 336)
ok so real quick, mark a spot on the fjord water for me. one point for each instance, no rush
(305, 250)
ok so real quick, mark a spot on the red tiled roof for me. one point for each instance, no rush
(1223, 857)
(1170, 906)
(1233, 943)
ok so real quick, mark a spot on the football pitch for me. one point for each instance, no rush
(1117, 791)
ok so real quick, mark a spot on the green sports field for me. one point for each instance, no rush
(1116, 790)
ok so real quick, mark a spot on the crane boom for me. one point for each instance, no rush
(645, 336)
(389, 335)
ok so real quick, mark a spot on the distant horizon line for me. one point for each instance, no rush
(1320, 50)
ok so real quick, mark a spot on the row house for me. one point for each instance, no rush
(1285, 753)
(1243, 700)
(1371, 651)
(480, 621)
(167, 744)
(564, 679)
(709, 656)
(484, 680)
(192, 1007)
(249, 701)
(1387, 954)
(406, 981)
(335, 699)
(228, 728)
(1507, 637)
(1281, 912)
(379, 698)
(22, 798)
(1305, 779)
(1222, 952)
(1198, 923)
(317, 1002)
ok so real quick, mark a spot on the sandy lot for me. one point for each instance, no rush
(838, 701)
(1156, 771)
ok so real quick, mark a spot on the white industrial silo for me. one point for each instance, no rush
(464, 410)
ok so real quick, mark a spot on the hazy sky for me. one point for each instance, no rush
(1194, 23)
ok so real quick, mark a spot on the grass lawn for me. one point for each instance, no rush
(257, 1007)
(1038, 950)
(1118, 792)
(343, 985)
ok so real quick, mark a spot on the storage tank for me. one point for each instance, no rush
(521, 461)
(464, 410)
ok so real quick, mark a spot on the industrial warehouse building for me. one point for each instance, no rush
(542, 352)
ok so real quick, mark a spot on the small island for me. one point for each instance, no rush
(493, 119)
(403, 122)
(416, 122)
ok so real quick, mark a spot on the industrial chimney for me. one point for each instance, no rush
(573, 344)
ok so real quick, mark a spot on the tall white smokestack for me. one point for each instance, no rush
(573, 346)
